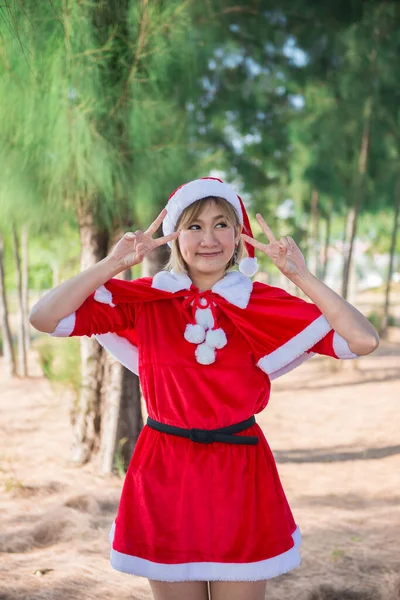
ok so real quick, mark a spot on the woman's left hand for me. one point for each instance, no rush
(284, 252)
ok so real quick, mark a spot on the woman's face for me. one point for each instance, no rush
(207, 244)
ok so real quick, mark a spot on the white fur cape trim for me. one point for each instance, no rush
(65, 326)
(235, 287)
(119, 347)
(294, 352)
(102, 294)
(207, 571)
(294, 348)
(169, 281)
(342, 348)
(196, 190)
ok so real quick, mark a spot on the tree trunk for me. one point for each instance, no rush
(348, 228)
(25, 284)
(121, 420)
(359, 191)
(22, 362)
(313, 236)
(155, 261)
(130, 423)
(327, 241)
(385, 320)
(8, 351)
(55, 272)
(86, 416)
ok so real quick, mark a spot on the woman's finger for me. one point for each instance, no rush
(253, 242)
(266, 228)
(156, 223)
(166, 238)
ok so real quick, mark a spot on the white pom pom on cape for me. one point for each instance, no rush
(195, 334)
(204, 354)
(216, 338)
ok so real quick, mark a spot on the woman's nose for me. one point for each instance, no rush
(209, 238)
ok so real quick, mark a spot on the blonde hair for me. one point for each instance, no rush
(188, 216)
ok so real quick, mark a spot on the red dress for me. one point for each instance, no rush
(193, 511)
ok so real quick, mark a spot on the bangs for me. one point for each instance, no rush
(192, 212)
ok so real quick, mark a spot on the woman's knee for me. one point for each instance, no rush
(238, 590)
(179, 590)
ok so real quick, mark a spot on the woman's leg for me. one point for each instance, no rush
(179, 590)
(238, 590)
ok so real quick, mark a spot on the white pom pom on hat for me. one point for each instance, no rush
(248, 266)
(204, 187)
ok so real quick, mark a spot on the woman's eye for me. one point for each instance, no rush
(221, 223)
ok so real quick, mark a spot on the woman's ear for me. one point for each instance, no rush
(239, 231)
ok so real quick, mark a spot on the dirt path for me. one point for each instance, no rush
(335, 435)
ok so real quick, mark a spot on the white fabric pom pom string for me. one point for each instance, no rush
(203, 330)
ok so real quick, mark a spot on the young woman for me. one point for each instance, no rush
(202, 508)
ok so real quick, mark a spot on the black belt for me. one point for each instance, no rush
(206, 436)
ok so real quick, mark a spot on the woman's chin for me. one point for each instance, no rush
(205, 266)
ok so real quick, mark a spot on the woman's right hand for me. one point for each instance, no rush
(133, 247)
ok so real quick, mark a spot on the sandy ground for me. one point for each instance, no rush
(335, 436)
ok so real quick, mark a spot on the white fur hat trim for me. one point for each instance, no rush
(195, 190)
(204, 317)
(204, 354)
(195, 334)
(216, 338)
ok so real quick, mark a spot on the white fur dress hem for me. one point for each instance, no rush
(208, 571)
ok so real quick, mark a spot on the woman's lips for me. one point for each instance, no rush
(210, 255)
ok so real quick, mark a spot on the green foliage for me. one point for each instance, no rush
(60, 360)
(93, 106)
(376, 319)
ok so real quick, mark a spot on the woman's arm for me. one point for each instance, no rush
(67, 297)
(343, 317)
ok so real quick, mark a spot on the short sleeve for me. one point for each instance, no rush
(333, 345)
(97, 316)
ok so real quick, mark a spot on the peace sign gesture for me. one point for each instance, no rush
(133, 247)
(284, 252)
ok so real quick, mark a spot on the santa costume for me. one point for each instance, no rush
(200, 504)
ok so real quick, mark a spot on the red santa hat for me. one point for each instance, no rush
(189, 192)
